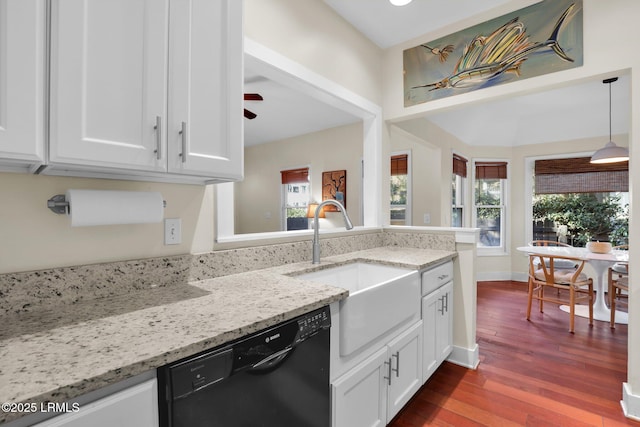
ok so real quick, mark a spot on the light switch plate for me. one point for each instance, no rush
(172, 231)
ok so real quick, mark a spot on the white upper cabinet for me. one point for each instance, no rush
(22, 81)
(150, 89)
(205, 90)
(108, 82)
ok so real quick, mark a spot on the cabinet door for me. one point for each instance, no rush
(134, 407)
(360, 396)
(444, 332)
(108, 83)
(22, 59)
(437, 316)
(430, 319)
(405, 354)
(205, 88)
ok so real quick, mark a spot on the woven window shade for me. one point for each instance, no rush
(578, 175)
(459, 166)
(295, 176)
(491, 170)
(399, 164)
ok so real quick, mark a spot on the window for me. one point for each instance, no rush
(296, 192)
(576, 201)
(458, 183)
(490, 204)
(400, 195)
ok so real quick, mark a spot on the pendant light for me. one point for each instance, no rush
(610, 153)
(399, 2)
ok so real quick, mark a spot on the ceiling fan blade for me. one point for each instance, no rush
(252, 97)
(249, 115)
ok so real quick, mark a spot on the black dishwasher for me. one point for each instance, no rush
(278, 377)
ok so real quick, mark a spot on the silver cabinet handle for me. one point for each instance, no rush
(441, 309)
(397, 370)
(183, 132)
(388, 362)
(158, 129)
(446, 302)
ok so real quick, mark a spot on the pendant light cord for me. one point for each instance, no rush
(609, 81)
(610, 110)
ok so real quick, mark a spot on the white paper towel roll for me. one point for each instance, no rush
(105, 207)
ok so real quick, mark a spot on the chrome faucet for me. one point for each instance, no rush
(316, 235)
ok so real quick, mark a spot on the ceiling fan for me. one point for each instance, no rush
(251, 97)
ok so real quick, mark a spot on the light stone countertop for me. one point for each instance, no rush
(57, 355)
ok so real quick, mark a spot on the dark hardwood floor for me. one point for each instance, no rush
(530, 374)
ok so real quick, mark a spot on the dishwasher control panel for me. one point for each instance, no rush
(311, 323)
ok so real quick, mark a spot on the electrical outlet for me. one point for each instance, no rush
(172, 231)
(427, 218)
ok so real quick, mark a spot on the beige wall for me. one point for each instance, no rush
(32, 237)
(258, 197)
(425, 175)
(509, 265)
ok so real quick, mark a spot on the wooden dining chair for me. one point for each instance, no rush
(544, 272)
(618, 279)
(559, 264)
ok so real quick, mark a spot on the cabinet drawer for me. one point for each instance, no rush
(435, 277)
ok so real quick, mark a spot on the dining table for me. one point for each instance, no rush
(600, 262)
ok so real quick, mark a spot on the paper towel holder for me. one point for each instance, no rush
(59, 204)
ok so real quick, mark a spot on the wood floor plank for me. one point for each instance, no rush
(475, 414)
(531, 373)
(515, 379)
(548, 405)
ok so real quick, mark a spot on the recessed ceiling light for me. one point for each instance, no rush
(399, 2)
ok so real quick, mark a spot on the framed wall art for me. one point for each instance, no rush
(540, 39)
(334, 187)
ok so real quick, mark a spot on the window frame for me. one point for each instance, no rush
(460, 184)
(529, 184)
(284, 193)
(505, 220)
(408, 205)
(461, 202)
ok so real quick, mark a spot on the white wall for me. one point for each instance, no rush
(610, 34)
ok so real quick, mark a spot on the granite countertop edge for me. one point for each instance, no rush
(61, 364)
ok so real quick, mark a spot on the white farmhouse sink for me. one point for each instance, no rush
(381, 298)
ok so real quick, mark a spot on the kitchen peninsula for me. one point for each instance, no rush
(83, 343)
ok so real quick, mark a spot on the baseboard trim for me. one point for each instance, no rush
(467, 357)
(630, 403)
(502, 275)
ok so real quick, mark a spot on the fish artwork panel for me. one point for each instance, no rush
(539, 39)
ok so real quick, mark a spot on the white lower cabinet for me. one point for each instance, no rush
(373, 392)
(437, 316)
(136, 406)
(360, 396)
(405, 369)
